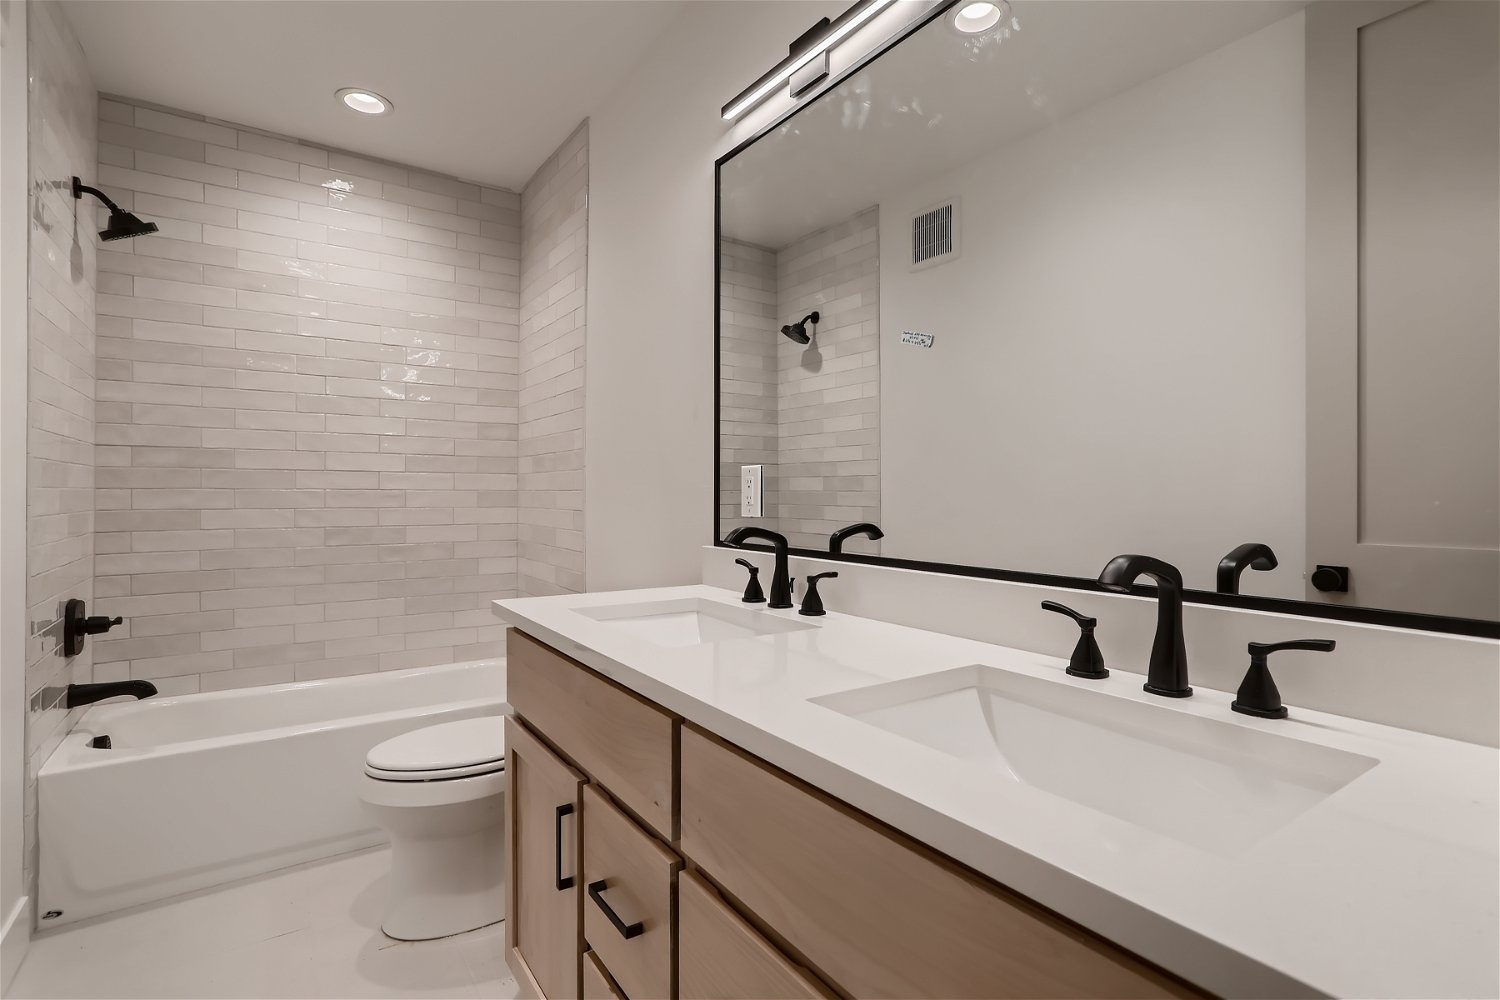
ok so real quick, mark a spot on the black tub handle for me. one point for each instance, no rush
(627, 931)
(563, 881)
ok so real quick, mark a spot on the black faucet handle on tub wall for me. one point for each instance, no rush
(77, 624)
(753, 593)
(812, 601)
(1258, 694)
(1087, 660)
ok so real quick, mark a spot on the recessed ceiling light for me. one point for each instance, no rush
(973, 18)
(366, 102)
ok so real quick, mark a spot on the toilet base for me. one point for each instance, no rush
(448, 858)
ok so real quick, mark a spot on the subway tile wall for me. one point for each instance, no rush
(308, 399)
(60, 433)
(810, 414)
(749, 332)
(554, 270)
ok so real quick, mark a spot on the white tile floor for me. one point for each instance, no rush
(307, 932)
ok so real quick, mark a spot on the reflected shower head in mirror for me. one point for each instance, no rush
(122, 224)
(798, 331)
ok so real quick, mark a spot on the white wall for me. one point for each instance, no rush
(14, 922)
(649, 397)
(1119, 360)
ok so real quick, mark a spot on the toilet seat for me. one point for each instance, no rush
(448, 751)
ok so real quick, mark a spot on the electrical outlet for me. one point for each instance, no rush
(752, 490)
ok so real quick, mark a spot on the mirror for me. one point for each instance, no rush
(1108, 276)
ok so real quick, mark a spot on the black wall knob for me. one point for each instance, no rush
(77, 624)
(1331, 579)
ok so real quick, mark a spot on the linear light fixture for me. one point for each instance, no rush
(804, 51)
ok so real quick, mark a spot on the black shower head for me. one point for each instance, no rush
(122, 224)
(798, 331)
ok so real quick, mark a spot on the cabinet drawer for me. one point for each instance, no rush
(620, 740)
(597, 984)
(630, 878)
(874, 912)
(721, 957)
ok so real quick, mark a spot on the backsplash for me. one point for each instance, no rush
(307, 429)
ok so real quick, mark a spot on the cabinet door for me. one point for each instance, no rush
(721, 957)
(630, 878)
(544, 805)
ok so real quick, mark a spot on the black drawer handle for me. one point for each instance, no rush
(627, 931)
(563, 881)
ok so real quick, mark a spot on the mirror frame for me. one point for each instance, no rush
(1309, 609)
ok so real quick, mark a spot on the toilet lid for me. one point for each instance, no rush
(444, 747)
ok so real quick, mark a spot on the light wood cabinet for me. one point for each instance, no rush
(875, 912)
(616, 737)
(721, 957)
(629, 879)
(543, 810)
(596, 982)
(773, 890)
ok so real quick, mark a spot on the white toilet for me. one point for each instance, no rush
(440, 794)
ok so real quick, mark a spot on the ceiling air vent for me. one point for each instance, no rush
(934, 235)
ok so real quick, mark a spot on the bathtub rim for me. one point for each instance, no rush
(73, 752)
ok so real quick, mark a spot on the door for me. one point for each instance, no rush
(543, 797)
(1403, 267)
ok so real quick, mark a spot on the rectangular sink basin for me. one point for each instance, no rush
(691, 621)
(1211, 784)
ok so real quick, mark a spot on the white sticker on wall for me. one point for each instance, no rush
(917, 339)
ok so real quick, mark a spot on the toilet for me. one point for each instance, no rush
(439, 793)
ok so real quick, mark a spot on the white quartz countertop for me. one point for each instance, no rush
(1389, 887)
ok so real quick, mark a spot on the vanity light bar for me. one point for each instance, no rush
(837, 31)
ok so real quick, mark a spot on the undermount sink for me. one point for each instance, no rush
(1212, 784)
(691, 621)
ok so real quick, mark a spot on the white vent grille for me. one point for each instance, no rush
(934, 235)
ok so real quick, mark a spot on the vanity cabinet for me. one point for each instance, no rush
(702, 872)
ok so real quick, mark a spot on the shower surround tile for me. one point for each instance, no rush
(309, 408)
(554, 258)
(60, 478)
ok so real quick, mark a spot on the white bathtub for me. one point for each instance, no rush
(206, 788)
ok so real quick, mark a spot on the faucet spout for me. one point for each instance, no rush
(87, 694)
(781, 583)
(865, 528)
(1167, 674)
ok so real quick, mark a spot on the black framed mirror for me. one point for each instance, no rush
(1211, 280)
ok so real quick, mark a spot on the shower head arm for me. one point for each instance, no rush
(80, 189)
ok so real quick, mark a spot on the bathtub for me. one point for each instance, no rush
(202, 789)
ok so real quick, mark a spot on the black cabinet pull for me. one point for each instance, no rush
(627, 931)
(563, 882)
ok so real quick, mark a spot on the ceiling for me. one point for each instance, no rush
(484, 91)
(940, 99)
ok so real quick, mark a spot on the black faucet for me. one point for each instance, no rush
(87, 694)
(870, 531)
(1251, 555)
(781, 584)
(1258, 694)
(1167, 674)
(812, 601)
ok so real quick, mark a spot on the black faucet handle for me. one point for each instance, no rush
(753, 593)
(1084, 621)
(1258, 694)
(812, 601)
(1087, 659)
(1265, 649)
